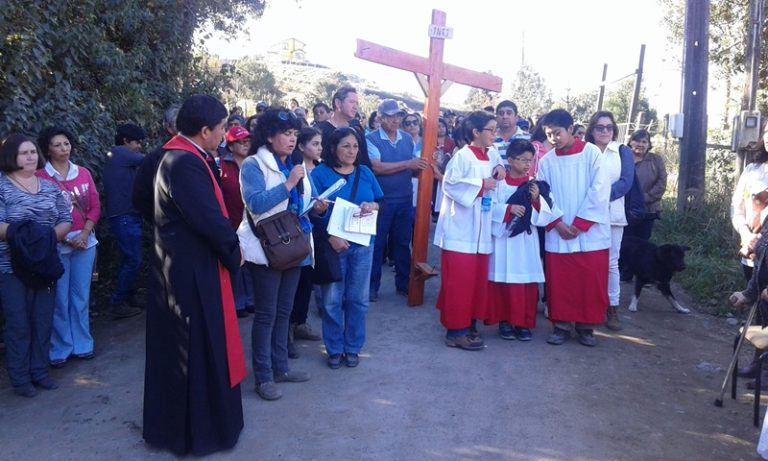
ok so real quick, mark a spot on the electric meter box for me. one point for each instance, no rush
(746, 130)
(675, 125)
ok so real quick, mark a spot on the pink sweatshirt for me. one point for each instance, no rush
(79, 190)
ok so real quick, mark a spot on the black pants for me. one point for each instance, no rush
(303, 295)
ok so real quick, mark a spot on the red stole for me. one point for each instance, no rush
(235, 354)
(576, 148)
(481, 153)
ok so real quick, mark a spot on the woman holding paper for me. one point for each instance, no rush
(345, 300)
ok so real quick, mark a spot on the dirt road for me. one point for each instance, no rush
(645, 393)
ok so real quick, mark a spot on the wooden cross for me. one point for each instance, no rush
(435, 77)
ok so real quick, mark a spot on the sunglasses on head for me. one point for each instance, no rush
(286, 115)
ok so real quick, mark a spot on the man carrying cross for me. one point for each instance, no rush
(391, 154)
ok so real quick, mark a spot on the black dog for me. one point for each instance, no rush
(652, 264)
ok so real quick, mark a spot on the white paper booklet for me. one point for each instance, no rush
(363, 224)
(338, 220)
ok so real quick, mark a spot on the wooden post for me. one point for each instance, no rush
(435, 71)
(601, 92)
(693, 144)
(751, 68)
(636, 93)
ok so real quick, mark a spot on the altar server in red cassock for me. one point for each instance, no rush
(464, 231)
(515, 265)
(195, 358)
(576, 245)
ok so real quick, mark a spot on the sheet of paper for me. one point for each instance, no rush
(361, 224)
(338, 219)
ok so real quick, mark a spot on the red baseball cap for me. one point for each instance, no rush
(237, 133)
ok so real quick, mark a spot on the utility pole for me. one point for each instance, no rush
(751, 66)
(693, 144)
(636, 93)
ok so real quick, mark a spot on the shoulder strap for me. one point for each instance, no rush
(355, 183)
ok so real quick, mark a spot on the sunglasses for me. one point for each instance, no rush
(410, 123)
(603, 128)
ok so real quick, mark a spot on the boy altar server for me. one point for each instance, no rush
(576, 256)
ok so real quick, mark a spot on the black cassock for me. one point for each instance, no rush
(189, 405)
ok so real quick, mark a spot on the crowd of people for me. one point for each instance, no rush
(514, 211)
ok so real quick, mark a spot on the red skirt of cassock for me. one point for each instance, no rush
(463, 289)
(577, 286)
(514, 303)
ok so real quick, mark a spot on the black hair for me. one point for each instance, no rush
(593, 121)
(558, 117)
(372, 118)
(305, 135)
(475, 121)
(442, 121)
(518, 147)
(250, 119)
(329, 156)
(458, 134)
(45, 136)
(642, 134)
(198, 112)
(506, 103)
(9, 153)
(758, 151)
(129, 132)
(538, 131)
(271, 122)
(320, 104)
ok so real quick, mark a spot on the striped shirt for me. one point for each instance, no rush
(46, 207)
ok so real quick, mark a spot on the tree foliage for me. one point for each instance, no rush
(530, 92)
(91, 64)
(477, 99)
(619, 99)
(581, 106)
(251, 79)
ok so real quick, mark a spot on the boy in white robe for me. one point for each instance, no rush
(576, 256)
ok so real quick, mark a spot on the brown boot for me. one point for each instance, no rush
(613, 322)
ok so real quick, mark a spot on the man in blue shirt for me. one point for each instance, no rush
(391, 154)
(124, 221)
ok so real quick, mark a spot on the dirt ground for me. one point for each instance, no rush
(644, 393)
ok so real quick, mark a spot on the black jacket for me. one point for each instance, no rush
(522, 196)
(34, 258)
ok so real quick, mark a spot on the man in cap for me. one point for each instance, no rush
(391, 154)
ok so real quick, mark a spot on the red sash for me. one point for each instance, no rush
(235, 354)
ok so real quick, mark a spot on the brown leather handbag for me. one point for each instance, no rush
(282, 239)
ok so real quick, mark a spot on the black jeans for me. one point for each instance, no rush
(28, 323)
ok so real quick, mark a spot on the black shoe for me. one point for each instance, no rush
(373, 296)
(586, 337)
(46, 383)
(351, 359)
(242, 313)
(334, 361)
(750, 371)
(558, 337)
(403, 292)
(27, 390)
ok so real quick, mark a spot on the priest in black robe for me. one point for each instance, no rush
(195, 358)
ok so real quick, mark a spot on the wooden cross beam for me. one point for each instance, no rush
(434, 76)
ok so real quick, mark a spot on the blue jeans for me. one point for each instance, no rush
(345, 303)
(127, 232)
(28, 319)
(273, 303)
(71, 331)
(394, 225)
